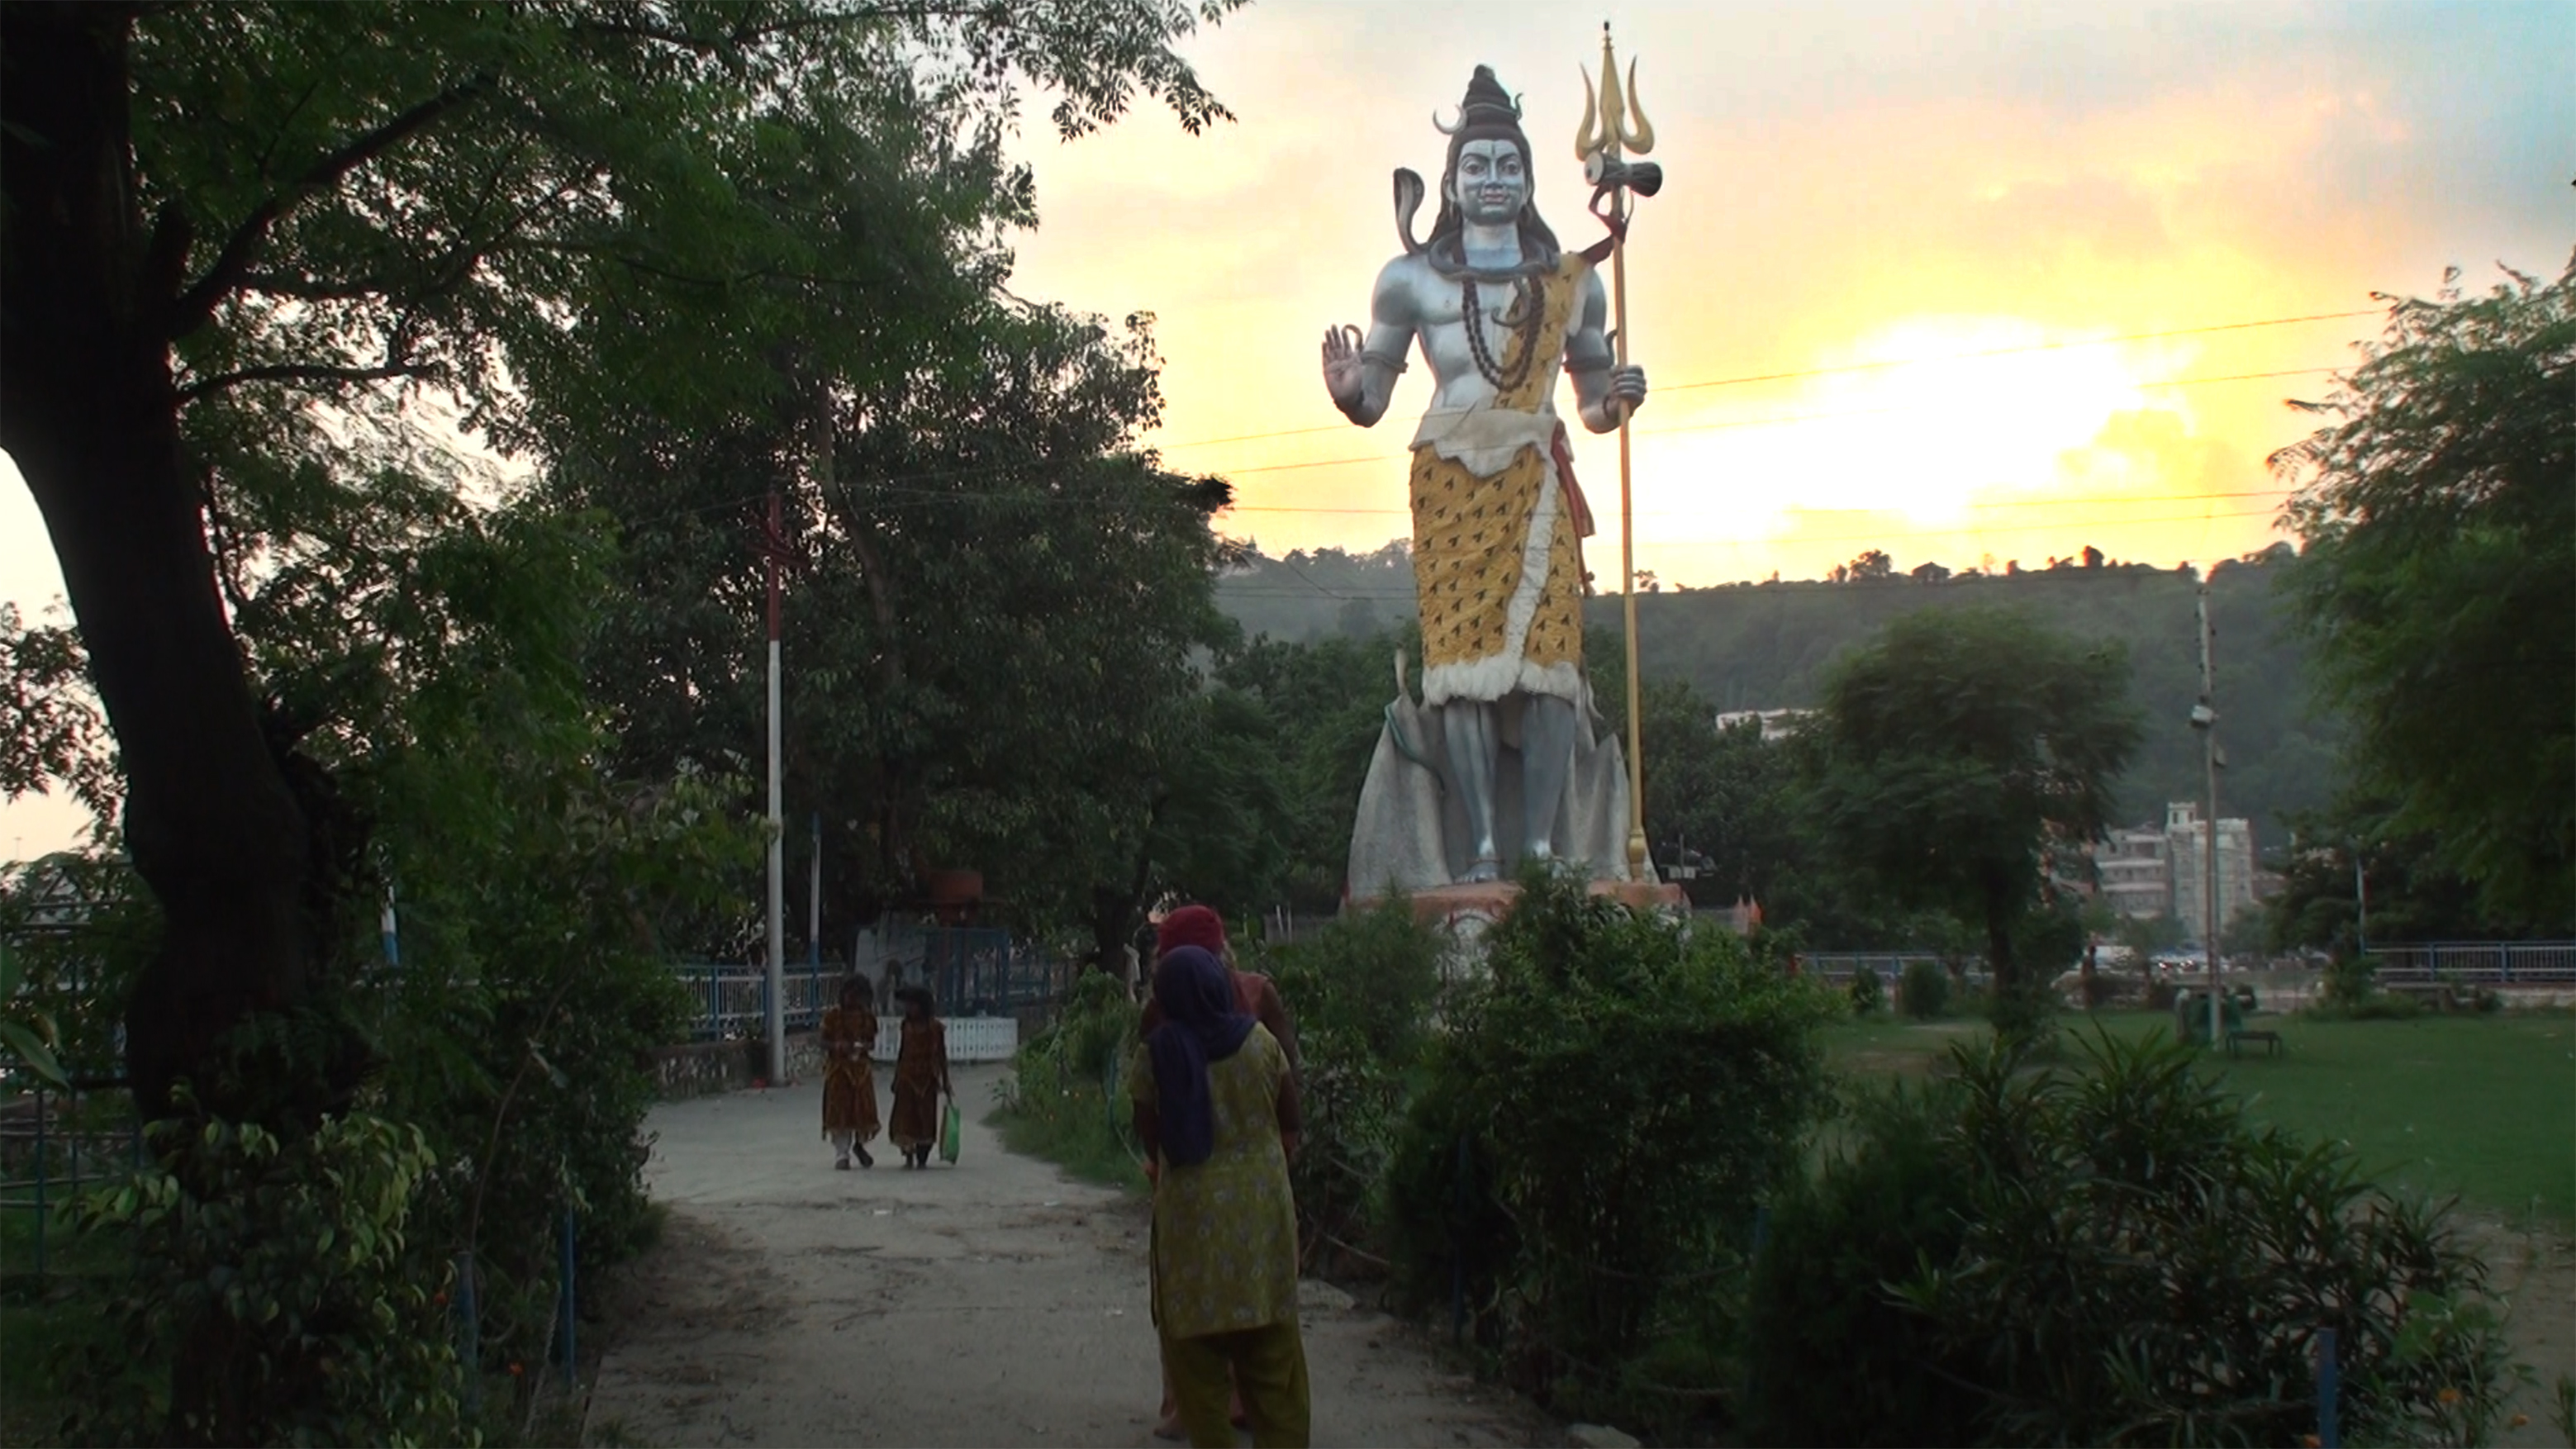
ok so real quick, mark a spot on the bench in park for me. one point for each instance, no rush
(2269, 1040)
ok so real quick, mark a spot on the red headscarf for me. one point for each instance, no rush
(1190, 926)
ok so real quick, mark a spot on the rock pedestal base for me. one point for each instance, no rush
(1479, 904)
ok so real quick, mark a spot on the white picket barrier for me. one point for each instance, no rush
(970, 1038)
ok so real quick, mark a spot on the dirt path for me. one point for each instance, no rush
(996, 1303)
(2534, 1270)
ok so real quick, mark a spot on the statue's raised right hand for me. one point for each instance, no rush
(1343, 374)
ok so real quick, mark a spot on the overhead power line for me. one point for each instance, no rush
(2109, 498)
(1881, 536)
(882, 483)
(1775, 421)
(2024, 347)
(1755, 377)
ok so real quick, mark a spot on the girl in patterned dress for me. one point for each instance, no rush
(849, 1076)
(920, 1078)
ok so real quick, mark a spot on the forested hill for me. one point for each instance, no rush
(1763, 646)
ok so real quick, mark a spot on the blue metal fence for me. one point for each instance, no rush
(978, 972)
(2479, 963)
(972, 971)
(733, 999)
(55, 1146)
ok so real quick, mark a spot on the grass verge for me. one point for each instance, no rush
(1072, 1128)
(2476, 1106)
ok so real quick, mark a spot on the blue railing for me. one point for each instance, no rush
(1839, 967)
(971, 971)
(2478, 963)
(54, 1145)
(733, 999)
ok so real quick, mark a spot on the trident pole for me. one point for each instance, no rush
(777, 993)
(1628, 563)
(1622, 125)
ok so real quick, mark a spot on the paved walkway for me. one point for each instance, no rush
(993, 1303)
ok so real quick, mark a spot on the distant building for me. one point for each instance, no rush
(1776, 724)
(2136, 876)
(2148, 872)
(2186, 838)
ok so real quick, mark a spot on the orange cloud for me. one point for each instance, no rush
(1842, 191)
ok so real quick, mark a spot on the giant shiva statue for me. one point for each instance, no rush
(1497, 307)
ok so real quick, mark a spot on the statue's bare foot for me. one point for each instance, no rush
(1486, 868)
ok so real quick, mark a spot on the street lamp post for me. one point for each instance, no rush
(2204, 718)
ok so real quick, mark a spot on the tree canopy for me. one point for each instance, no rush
(1948, 757)
(564, 216)
(260, 266)
(2438, 581)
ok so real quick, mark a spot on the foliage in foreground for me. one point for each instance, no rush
(1590, 1145)
(513, 1038)
(1364, 992)
(275, 1295)
(2108, 1253)
(1062, 1100)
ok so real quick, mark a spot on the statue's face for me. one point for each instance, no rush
(1492, 183)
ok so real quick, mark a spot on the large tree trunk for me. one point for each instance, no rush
(89, 411)
(2001, 913)
(1114, 910)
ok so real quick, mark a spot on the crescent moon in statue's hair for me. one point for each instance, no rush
(1450, 128)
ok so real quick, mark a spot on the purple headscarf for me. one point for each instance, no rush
(1200, 1025)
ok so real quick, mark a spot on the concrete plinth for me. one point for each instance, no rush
(1484, 902)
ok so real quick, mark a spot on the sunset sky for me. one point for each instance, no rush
(1847, 185)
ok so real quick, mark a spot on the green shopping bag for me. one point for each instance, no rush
(951, 1125)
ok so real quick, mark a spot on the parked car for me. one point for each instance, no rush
(2182, 962)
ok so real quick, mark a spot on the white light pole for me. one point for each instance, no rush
(777, 1022)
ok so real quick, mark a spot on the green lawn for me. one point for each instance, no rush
(2481, 1106)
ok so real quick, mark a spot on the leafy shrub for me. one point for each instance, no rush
(1064, 1099)
(1619, 1093)
(281, 1280)
(1363, 992)
(519, 1032)
(1923, 991)
(2109, 1254)
(1830, 1356)
(1867, 994)
(1375, 974)
(2351, 980)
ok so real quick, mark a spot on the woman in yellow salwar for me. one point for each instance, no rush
(920, 1078)
(849, 1073)
(1216, 1106)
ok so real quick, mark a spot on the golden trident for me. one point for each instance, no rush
(1613, 121)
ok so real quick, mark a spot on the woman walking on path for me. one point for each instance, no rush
(849, 1073)
(1255, 996)
(920, 1078)
(1216, 1107)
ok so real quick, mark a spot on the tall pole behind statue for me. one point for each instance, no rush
(774, 1012)
(1622, 124)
